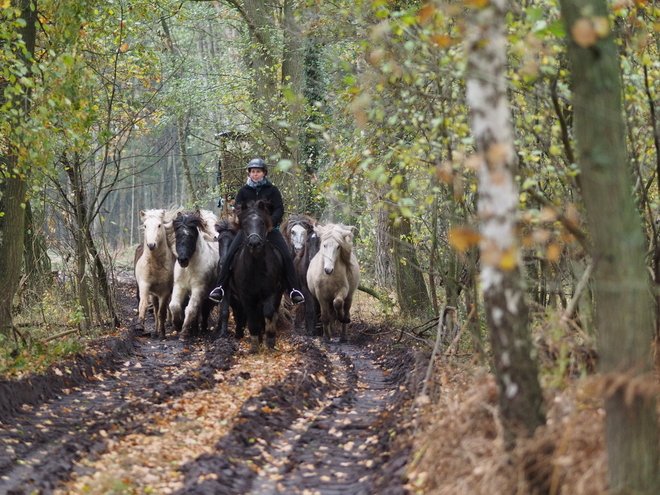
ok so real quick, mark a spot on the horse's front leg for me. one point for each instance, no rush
(143, 296)
(271, 316)
(255, 323)
(207, 307)
(192, 313)
(311, 313)
(176, 309)
(326, 319)
(223, 316)
(161, 303)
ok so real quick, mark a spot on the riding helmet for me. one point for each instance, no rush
(258, 163)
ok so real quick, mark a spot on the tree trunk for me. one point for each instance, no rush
(15, 184)
(624, 305)
(507, 314)
(182, 129)
(11, 247)
(384, 265)
(410, 285)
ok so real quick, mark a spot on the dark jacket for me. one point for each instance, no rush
(267, 192)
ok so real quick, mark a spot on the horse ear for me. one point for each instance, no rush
(261, 205)
(142, 214)
(178, 214)
(198, 213)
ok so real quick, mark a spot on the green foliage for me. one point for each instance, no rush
(20, 360)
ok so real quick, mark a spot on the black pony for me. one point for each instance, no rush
(256, 278)
(226, 234)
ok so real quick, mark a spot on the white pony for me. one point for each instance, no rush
(333, 275)
(154, 268)
(195, 273)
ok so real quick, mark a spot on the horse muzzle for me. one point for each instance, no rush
(184, 262)
(151, 246)
(254, 242)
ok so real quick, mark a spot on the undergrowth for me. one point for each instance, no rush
(45, 332)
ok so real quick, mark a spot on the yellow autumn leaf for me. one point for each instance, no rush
(123, 47)
(479, 4)
(601, 26)
(462, 238)
(426, 13)
(553, 253)
(442, 40)
(508, 261)
(584, 33)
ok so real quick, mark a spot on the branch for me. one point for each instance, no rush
(568, 225)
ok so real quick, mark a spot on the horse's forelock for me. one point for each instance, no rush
(253, 209)
(224, 226)
(153, 213)
(342, 234)
(188, 220)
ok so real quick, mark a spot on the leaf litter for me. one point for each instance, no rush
(181, 429)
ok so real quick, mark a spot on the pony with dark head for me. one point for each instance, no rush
(298, 231)
(195, 271)
(225, 235)
(333, 276)
(256, 278)
(154, 268)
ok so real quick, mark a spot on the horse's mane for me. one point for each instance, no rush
(188, 219)
(343, 234)
(203, 220)
(297, 219)
(153, 212)
(209, 219)
(224, 226)
(260, 207)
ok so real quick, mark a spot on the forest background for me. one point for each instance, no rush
(360, 108)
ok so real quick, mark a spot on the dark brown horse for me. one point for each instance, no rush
(256, 278)
(226, 234)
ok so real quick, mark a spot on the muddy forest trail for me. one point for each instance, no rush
(204, 416)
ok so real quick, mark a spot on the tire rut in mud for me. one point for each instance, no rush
(337, 415)
(41, 442)
(332, 433)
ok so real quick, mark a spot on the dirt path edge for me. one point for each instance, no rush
(105, 354)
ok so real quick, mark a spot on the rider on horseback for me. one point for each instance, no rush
(259, 187)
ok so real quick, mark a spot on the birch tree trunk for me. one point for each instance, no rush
(507, 313)
(622, 289)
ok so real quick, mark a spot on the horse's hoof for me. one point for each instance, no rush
(254, 347)
(185, 335)
(270, 342)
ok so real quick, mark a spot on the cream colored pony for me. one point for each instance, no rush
(333, 275)
(154, 267)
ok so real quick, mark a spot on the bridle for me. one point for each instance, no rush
(260, 239)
